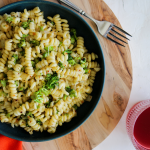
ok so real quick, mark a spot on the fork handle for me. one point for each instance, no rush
(79, 10)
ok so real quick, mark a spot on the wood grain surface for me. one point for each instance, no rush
(116, 92)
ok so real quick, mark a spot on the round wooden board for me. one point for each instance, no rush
(116, 92)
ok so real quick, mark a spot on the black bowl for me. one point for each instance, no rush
(91, 43)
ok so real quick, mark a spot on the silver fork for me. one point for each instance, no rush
(104, 27)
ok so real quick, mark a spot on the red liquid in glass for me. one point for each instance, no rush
(142, 129)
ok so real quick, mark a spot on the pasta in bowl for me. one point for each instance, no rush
(46, 72)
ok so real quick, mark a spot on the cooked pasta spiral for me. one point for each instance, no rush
(29, 68)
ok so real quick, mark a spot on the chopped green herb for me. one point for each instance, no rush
(38, 107)
(39, 121)
(3, 82)
(75, 106)
(8, 115)
(51, 81)
(9, 19)
(60, 64)
(35, 43)
(72, 92)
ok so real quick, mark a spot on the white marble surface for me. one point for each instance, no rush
(134, 16)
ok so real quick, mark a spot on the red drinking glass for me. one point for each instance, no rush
(138, 125)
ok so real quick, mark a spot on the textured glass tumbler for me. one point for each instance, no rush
(132, 117)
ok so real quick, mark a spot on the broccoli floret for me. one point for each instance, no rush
(51, 81)
(72, 92)
(39, 121)
(86, 70)
(44, 91)
(68, 51)
(35, 43)
(22, 43)
(74, 32)
(73, 39)
(9, 19)
(3, 82)
(49, 48)
(72, 62)
(36, 60)
(45, 55)
(15, 57)
(29, 114)
(37, 96)
(25, 25)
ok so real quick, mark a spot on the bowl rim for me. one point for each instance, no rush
(104, 72)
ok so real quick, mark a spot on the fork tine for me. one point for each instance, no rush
(116, 37)
(114, 41)
(119, 34)
(121, 30)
